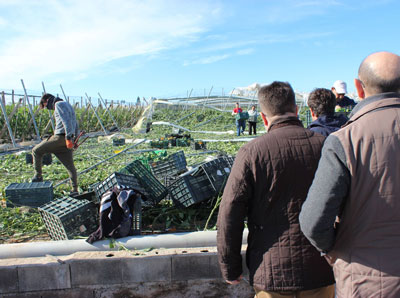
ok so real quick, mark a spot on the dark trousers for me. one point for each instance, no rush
(252, 127)
(56, 145)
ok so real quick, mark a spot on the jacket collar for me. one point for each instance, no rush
(284, 121)
(372, 103)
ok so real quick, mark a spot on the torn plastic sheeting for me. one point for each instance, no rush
(170, 124)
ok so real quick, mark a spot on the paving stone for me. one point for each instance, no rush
(8, 279)
(71, 293)
(96, 271)
(215, 272)
(193, 266)
(146, 269)
(43, 277)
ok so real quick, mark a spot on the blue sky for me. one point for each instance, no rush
(125, 49)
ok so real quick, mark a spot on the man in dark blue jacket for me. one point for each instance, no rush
(322, 104)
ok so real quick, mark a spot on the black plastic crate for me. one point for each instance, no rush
(156, 191)
(183, 142)
(217, 170)
(159, 144)
(121, 181)
(173, 165)
(89, 196)
(230, 160)
(67, 217)
(188, 190)
(118, 141)
(137, 217)
(168, 180)
(33, 194)
(47, 159)
(198, 145)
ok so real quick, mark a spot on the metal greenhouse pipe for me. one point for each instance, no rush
(66, 247)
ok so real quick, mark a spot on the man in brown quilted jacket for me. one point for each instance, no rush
(352, 211)
(267, 186)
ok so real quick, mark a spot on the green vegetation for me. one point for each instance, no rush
(24, 224)
(23, 129)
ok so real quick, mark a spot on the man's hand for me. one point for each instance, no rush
(69, 143)
(234, 282)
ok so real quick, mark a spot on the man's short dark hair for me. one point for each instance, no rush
(277, 98)
(322, 102)
(44, 99)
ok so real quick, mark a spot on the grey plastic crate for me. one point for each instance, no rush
(67, 217)
(121, 181)
(156, 191)
(188, 190)
(32, 194)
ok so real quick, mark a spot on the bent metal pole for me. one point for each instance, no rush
(97, 116)
(31, 111)
(50, 115)
(3, 109)
(107, 110)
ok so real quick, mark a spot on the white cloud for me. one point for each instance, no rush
(245, 52)
(50, 37)
(208, 60)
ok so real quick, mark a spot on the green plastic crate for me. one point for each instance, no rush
(156, 191)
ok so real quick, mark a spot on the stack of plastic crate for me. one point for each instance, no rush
(155, 190)
(32, 194)
(66, 218)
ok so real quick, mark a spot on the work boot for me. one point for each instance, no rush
(37, 178)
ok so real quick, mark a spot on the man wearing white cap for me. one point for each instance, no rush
(340, 89)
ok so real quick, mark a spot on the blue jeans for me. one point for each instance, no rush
(240, 126)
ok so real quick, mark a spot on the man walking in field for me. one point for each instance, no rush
(61, 144)
(267, 185)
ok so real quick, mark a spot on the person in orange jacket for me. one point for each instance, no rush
(61, 144)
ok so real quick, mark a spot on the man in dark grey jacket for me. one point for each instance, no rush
(322, 107)
(62, 142)
(267, 185)
(352, 211)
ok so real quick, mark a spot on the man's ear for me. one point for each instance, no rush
(312, 113)
(264, 119)
(359, 88)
